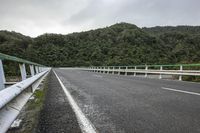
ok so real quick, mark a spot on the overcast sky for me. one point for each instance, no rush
(35, 17)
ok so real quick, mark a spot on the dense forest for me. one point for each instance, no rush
(119, 44)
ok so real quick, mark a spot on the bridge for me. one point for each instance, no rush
(113, 99)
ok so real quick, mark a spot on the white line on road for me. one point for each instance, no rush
(187, 92)
(85, 124)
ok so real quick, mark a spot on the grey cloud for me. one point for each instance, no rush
(34, 17)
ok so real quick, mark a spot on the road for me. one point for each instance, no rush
(57, 115)
(124, 104)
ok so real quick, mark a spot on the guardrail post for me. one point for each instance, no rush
(181, 69)
(119, 71)
(39, 69)
(161, 68)
(146, 69)
(32, 70)
(36, 69)
(95, 69)
(2, 76)
(113, 72)
(126, 71)
(135, 72)
(23, 71)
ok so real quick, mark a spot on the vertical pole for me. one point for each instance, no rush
(135, 72)
(161, 68)
(181, 69)
(126, 71)
(39, 69)
(36, 69)
(146, 69)
(23, 71)
(113, 72)
(2, 76)
(32, 70)
(119, 71)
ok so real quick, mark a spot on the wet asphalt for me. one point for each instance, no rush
(125, 104)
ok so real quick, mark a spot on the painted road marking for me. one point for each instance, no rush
(84, 123)
(187, 92)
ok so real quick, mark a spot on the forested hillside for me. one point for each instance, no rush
(119, 44)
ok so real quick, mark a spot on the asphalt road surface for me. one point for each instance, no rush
(124, 104)
(57, 115)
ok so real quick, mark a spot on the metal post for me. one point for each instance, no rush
(32, 70)
(113, 72)
(161, 68)
(23, 71)
(126, 71)
(36, 69)
(119, 71)
(181, 69)
(108, 70)
(135, 72)
(2, 76)
(39, 69)
(146, 69)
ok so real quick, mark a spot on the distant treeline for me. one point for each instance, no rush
(119, 44)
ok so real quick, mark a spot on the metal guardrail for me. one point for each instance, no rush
(14, 97)
(150, 69)
(34, 68)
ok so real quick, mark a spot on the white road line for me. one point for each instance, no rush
(187, 92)
(84, 123)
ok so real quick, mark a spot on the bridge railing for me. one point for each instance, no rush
(34, 68)
(178, 70)
(14, 97)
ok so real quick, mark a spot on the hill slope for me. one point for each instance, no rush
(119, 44)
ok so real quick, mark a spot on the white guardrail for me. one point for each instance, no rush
(14, 97)
(159, 70)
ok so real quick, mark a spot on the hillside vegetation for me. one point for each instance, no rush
(119, 44)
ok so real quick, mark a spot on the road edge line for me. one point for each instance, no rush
(182, 91)
(84, 123)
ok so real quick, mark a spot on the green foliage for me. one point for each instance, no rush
(119, 44)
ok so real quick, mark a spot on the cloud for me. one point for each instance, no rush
(35, 17)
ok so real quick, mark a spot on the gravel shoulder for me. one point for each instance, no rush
(57, 115)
